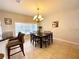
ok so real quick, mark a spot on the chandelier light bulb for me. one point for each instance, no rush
(38, 17)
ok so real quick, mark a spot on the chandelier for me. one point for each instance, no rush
(38, 18)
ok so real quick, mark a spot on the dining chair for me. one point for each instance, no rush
(45, 40)
(51, 37)
(15, 42)
(15, 38)
(34, 39)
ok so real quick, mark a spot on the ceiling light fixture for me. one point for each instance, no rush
(38, 18)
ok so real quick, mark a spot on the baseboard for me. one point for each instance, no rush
(75, 43)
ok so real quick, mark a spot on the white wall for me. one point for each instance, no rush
(68, 25)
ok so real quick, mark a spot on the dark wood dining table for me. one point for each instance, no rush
(41, 36)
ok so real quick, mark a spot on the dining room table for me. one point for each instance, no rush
(41, 36)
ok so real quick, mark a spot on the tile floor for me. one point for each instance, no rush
(57, 50)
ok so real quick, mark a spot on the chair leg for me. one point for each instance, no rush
(51, 38)
(36, 43)
(8, 53)
(49, 42)
(33, 42)
(45, 43)
(22, 49)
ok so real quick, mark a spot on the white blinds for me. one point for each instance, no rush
(25, 27)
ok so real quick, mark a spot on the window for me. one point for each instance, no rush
(25, 27)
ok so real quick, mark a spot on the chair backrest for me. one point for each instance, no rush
(21, 37)
(35, 37)
(19, 34)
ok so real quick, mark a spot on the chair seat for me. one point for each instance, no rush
(13, 43)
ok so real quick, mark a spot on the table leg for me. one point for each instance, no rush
(40, 42)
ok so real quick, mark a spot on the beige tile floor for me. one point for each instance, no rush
(57, 50)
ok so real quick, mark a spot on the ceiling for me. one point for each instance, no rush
(29, 7)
